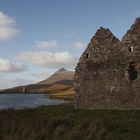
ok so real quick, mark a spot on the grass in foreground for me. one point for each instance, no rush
(62, 122)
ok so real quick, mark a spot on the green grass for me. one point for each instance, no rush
(63, 122)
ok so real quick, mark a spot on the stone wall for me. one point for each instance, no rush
(108, 73)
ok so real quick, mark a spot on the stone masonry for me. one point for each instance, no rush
(107, 75)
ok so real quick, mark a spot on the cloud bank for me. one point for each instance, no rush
(8, 28)
(6, 82)
(46, 44)
(11, 67)
(49, 59)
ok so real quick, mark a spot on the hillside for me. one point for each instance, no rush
(59, 85)
(60, 76)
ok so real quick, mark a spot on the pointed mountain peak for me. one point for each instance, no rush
(61, 70)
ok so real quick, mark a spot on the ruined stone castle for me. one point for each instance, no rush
(107, 75)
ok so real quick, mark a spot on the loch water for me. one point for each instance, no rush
(22, 101)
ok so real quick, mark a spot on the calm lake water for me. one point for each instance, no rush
(21, 101)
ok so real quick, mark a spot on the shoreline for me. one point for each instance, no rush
(66, 96)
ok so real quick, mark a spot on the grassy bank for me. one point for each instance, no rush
(63, 95)
(62, 122)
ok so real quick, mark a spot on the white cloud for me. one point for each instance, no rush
(8, 28)
(21, 81)
(10, 67)
(78, 45)
(48, 59)
(6, 82)
(46, 44)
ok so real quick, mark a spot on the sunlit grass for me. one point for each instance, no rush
(70, 95)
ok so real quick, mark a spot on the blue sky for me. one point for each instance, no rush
(37, 37)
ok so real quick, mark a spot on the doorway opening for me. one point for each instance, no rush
(132, 71)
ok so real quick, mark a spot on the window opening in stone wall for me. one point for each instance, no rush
(131, 49)
(132, 71)
(87, 55)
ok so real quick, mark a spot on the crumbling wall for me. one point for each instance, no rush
(107, 75)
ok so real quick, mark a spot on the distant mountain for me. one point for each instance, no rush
(61, 81)
(61, 70)
(61, 76)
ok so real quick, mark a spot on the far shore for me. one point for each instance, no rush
(54, 95)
